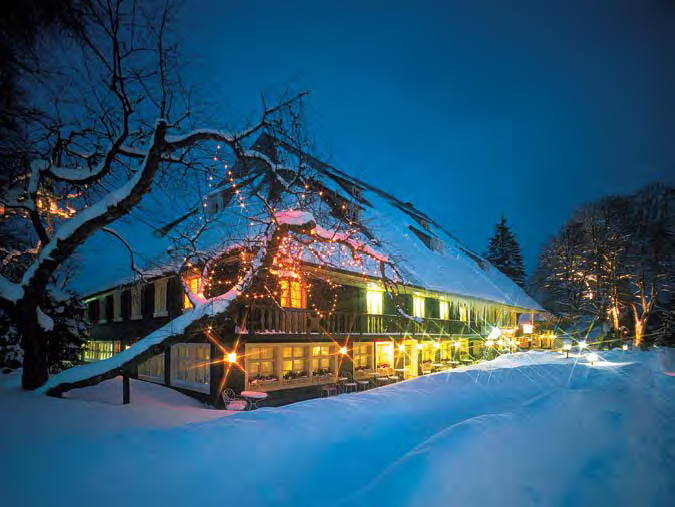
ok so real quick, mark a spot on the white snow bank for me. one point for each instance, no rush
(527, 429)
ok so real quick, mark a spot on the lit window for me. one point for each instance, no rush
(462, 313)
(374, 302)
(418, 307)
(363, 355)
(443, 310)
(193, 283)
(294, 362)
(293, 294)
(260, 362)
(322, 356)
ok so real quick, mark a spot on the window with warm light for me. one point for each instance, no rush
(260, 361)
(193, 283)
(294, 361)
(374, 302)
(322, 356)
(443, 310)
(418, 307)
(462, 313)
(363, 355)
(293, 294)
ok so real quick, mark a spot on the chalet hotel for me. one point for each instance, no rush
(448, 307)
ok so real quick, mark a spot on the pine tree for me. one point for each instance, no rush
(504, 253)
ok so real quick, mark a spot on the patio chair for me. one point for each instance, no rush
(231, 402)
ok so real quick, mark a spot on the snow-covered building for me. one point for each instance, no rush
(433, 307)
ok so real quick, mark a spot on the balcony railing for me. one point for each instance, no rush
(275, 320)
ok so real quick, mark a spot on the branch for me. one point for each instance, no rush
(112, 206)
(133, 266)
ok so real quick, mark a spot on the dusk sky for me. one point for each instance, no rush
(468, 109)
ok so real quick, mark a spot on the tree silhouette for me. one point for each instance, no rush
(504, 253)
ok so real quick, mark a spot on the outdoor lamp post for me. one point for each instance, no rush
(567, 347)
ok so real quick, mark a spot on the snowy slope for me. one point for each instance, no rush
(529, 429)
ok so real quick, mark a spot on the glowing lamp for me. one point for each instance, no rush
(592, 357)
(457, 344)
(582, 345)
(567, 346)
(232, 357)
(401, 348)
(495, 333)
(528, 328)
(625, 347)
(343, 350)
(489, 343)
(418, 346)
(437, 345)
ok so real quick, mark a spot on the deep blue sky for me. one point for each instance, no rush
(468, 109)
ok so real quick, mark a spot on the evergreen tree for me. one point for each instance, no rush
(504, 253)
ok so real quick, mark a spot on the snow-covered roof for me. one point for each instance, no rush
(425, 253)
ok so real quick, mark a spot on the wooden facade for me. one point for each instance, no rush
(288, 348)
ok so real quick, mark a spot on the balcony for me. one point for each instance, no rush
(275, 320)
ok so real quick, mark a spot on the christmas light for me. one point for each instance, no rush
(232, 357)
(528, 328)
(582, 345)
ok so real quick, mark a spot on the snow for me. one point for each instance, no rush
(527, 429)
(294, 217)
(44, 320)
(454, 271)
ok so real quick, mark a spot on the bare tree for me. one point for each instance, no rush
(120, 126)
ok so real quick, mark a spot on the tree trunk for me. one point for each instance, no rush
(34, 345)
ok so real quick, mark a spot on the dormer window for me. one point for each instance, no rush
(293, 294)
(351, 211)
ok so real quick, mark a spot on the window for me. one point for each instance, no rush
(260, 361)
(374, 302)
(98, 350)
(102, 310)
(418, 307)
(352, 212)
(153, 368)
(136, 303)
(462, 313)
(322, 356)
(363, 354)
(190, 365)
(293, 294)
(294, 362)
(117, 306)
(193, 282)
(443, 310)
(160, 298)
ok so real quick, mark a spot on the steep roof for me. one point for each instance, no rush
(426, 254)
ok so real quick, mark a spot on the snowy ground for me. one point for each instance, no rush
(529, 429)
